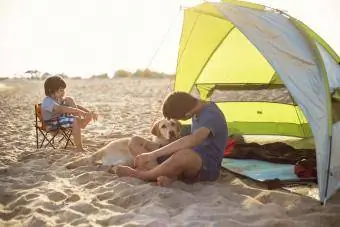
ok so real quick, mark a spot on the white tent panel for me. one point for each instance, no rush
(334, 178)
(333, 73)
(288, 51)
(332, 68)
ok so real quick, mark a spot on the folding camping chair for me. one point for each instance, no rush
(40, 127)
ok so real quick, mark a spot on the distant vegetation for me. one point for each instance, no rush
(146, 73)
(100, 76)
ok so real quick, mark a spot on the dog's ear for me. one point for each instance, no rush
(155, 129)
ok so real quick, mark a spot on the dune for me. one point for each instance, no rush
(37, 190)
(4, 87)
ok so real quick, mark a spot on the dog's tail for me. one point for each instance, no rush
(77, 163)
(92, 159)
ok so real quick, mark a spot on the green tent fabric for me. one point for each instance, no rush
(233, 45)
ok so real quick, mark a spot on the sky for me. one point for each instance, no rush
(86, 37)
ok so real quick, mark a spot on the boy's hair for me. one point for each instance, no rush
(177, 104)
(53, 84)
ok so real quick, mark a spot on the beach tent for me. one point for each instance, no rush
(234, 45)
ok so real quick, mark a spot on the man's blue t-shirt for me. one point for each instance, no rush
(212, 117)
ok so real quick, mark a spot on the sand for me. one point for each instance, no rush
(37, 190)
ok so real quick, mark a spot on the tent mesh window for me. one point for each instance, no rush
(276, 95)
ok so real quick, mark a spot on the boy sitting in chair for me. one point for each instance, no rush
(192, 158)
(59, 111)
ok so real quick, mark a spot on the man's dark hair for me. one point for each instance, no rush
(177, 104)
(53, 84)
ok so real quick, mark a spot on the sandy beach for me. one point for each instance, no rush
(37, 190)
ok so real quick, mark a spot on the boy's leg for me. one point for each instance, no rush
(186, 163)
(76, 132)
(68, 101)
(84, 122)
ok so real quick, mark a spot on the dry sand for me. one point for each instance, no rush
(36, 189)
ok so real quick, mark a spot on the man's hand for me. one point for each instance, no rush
(143, 159)
(186, 142)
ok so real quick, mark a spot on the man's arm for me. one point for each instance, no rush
(186, 142)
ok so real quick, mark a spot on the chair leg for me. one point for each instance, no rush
(62, 138)
(67, 135)
(42, 142)
(71, 139)
(37, 137)
(70, 134)
(49, 141)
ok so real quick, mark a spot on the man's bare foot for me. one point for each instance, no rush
(125, 171)
(164, 181)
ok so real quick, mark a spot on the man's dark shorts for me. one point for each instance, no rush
(209, 171)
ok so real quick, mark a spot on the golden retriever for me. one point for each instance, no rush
(117, 152)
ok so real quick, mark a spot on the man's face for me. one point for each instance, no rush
(187, 116)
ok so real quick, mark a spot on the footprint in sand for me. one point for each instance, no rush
(48, 205)
(118, 219)
(124, 202)
(20, 201)
(67, 216)
(31, 196)
(105, 195)
(56, 196)
(92, 185)
(37, 220)
(3, 170)
(83, 178)
(73, 198)
(43, 211)
(84, 208)
(8, 215)
(48, 177)
(104, 205)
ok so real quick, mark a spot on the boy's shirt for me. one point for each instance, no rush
(212, 118)
(47, 107)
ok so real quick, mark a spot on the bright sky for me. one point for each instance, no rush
(85, 37)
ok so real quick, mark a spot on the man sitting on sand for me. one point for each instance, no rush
(60, 111)
(192, 158)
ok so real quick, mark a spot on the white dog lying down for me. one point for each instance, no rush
(117, 152)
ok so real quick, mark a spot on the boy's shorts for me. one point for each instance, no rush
(64, 121)
(209, 171)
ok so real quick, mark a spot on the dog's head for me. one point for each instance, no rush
(166, 129)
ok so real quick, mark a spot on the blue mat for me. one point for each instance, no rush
(260, 170)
